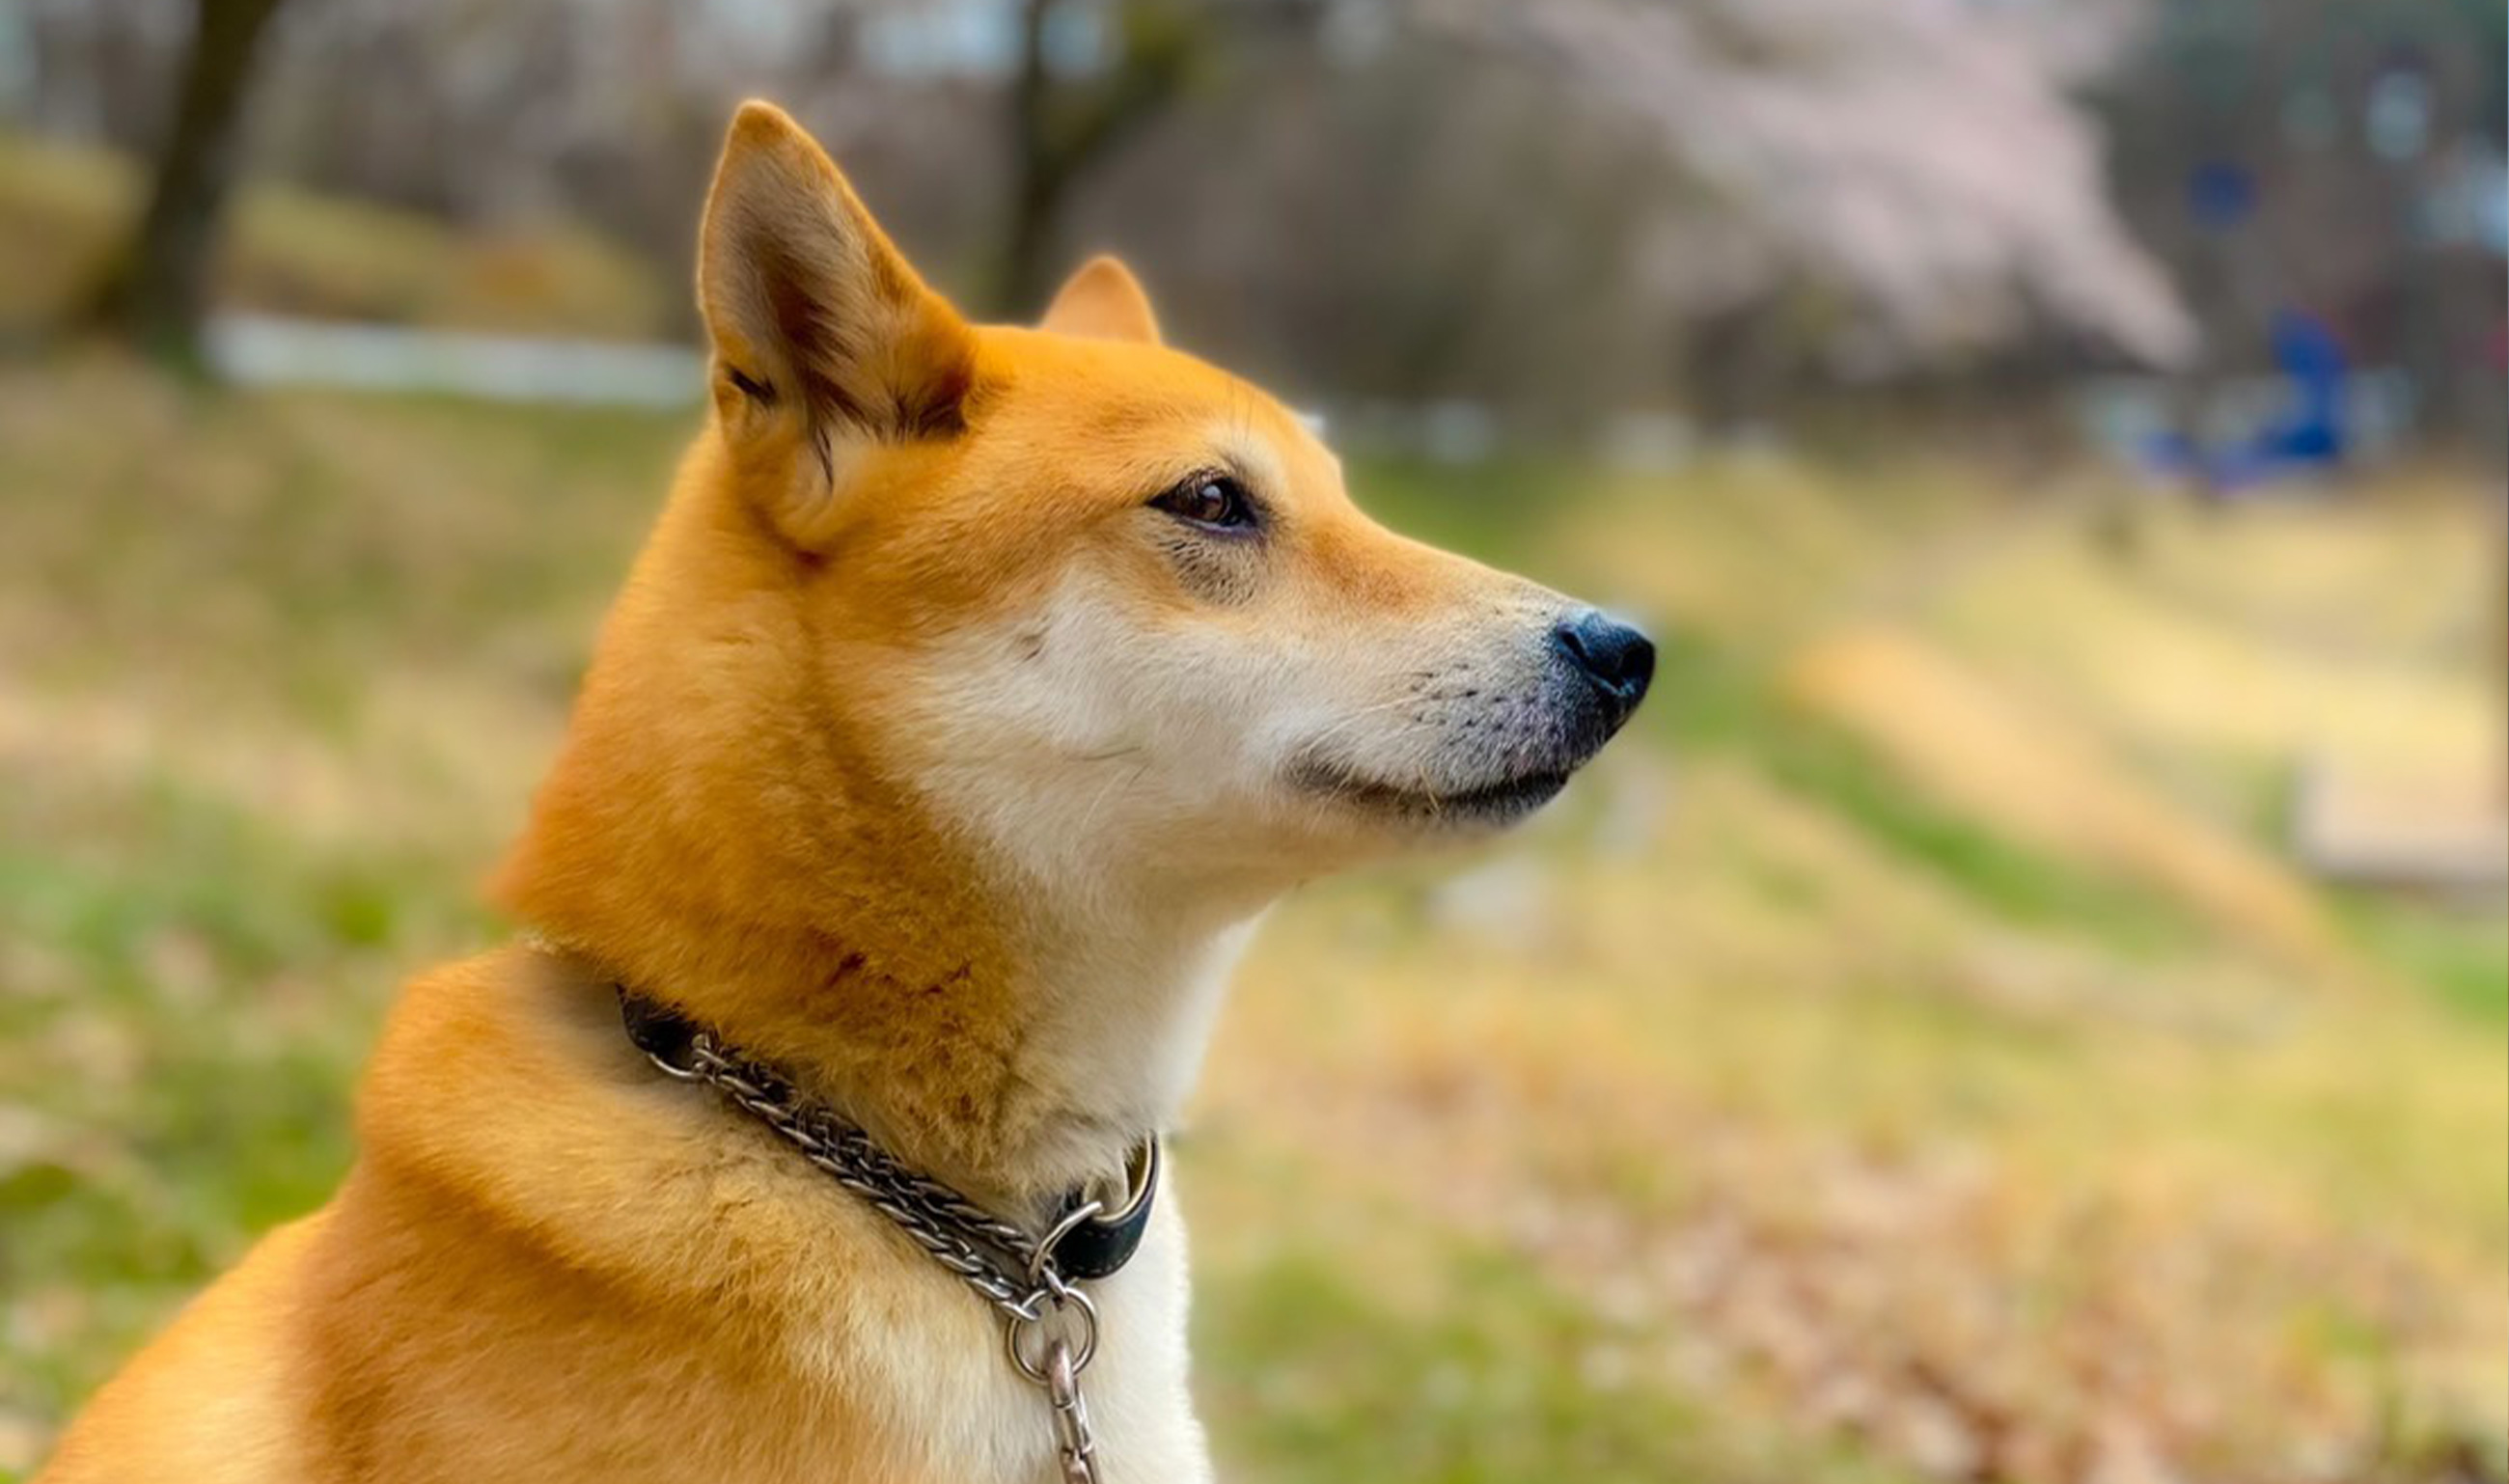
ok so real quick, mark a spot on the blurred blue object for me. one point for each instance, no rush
(2221, 193)
(2307, 436)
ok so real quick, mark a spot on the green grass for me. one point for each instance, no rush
(1724, 701)
(2462, 959)
(2007, 879)
(1496, 511)
(1517, 1382)
(181, 1051)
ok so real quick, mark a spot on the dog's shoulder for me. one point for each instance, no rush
(214, 1398)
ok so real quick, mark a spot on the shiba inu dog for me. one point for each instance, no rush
(977, 690)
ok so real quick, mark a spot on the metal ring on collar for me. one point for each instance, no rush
(1058, 1298)
(1141, 1179)
(674, 1070)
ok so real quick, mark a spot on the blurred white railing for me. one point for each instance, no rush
(269, 350)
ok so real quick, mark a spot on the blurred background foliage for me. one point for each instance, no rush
(2030, 1001)
(1723, 205)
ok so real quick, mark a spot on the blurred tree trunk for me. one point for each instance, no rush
(153, 293)
(1062, 127)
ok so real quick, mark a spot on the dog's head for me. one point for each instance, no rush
(1094, 599)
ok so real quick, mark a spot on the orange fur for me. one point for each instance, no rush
(910, 759)
(1104, 300)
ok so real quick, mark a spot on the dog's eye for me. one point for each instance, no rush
(1210, 499)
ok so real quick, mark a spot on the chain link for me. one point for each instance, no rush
(1007, 1266)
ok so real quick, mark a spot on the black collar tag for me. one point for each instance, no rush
(1098, 1245)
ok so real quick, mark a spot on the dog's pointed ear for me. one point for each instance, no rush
(822, 332)
(1103, 301)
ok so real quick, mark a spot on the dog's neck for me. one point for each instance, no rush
(713, 836)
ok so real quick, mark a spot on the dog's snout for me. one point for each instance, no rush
(1615, 657)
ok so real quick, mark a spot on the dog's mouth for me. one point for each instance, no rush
(1500, 803)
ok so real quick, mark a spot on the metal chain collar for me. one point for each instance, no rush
(1050, 1325)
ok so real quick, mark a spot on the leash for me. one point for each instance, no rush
(1049, 1322)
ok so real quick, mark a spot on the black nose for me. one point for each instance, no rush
(1618, 659)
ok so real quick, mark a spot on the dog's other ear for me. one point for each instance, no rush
(1103, 301)
(821, 331)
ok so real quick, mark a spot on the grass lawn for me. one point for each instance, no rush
(1909, 1057)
